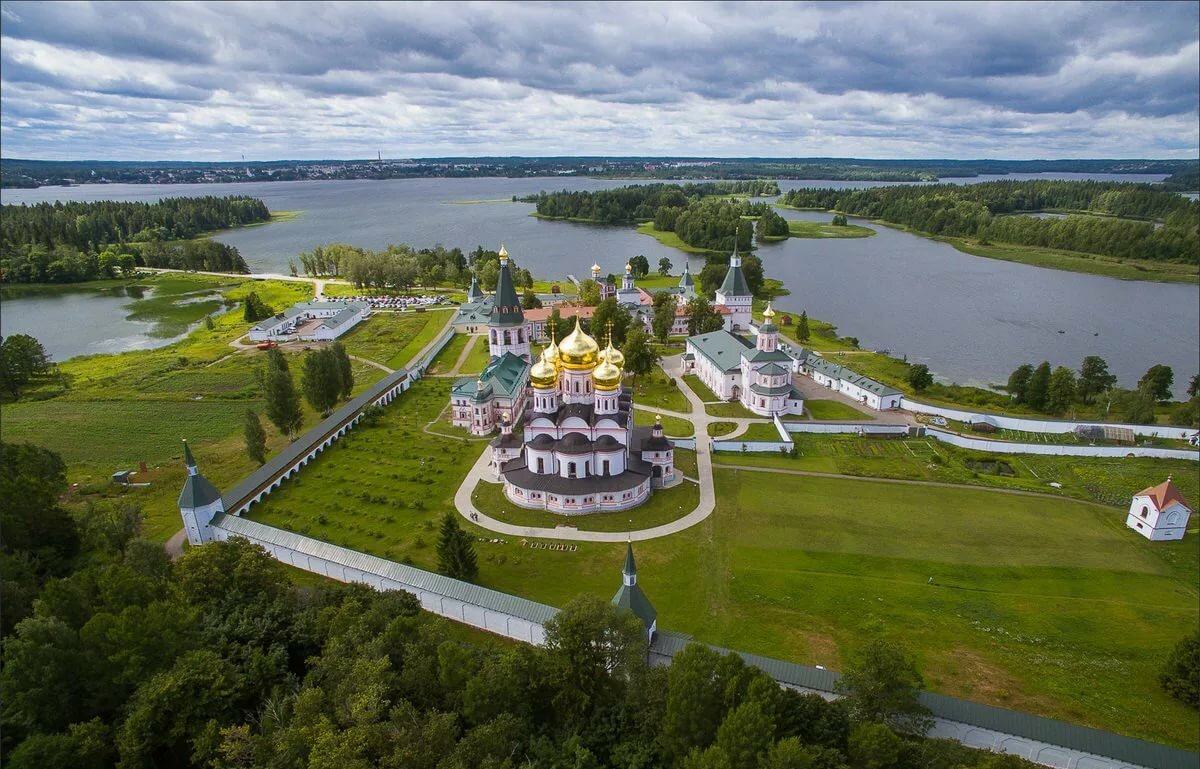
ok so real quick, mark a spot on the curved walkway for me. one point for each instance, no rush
(482, 471)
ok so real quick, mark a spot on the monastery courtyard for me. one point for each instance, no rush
(1002, 594)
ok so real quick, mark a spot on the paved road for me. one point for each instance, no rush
(482, 471)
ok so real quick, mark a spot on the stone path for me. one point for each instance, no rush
(482, 471)
(370, 362)
(174, 546)
(462, 357)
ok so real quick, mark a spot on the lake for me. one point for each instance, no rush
(971, 319)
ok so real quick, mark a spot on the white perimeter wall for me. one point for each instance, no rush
(1005, 447)
(1044, 425)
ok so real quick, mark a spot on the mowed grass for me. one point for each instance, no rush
(760, 431)
(664, 506)
(394, 338)
(444, 361)
(657, 389)
(673, 427)
(730, 409)
(801, 229)
(699, 388)
(478, 358)
(819, 409)
(717, 429)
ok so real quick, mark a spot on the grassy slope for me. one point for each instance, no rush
(444, 361)
(393, 338)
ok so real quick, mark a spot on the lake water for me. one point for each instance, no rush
(971, 319)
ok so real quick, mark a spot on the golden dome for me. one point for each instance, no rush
(768, 313)
(628, 267)
(612, 355)
(595, 268)
(503, 253)
(578, 351)
(544, 375)
(606, 376)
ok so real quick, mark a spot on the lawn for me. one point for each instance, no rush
(698, 387)
(655, 282)
(444, 361)
(664, 506)
(799, 229)
(685, 462)
(394, 338)
(477, 358)
(659, 390)
(673, 427)
(717, 429)
(760, 431)
(808, 569)
(819, 409)
(730, 409)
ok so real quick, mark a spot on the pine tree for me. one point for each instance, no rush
(344, 367)
(456, 551)
(802, 332)
(283, 402)
(321, 380)
(1038, 392)
(256, 437)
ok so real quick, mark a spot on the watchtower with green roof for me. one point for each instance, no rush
(507, 329)
(631, 597)
(199, 502)
(734, 292)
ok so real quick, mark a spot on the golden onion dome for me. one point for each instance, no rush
(613, 355)
(551, 353)
(578, 351)
(606, 376)
(768, 313)
(544, 375)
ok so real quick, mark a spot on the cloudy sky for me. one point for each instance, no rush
(210, 81)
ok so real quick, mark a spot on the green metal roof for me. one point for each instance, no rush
(724, 349)
(198, 491)
(772, 369)
(632, 598)
(506, 307)
(758, 389)
(493, 600)
(735, 280)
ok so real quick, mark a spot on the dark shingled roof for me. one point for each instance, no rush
(506, 307)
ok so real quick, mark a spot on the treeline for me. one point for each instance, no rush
(401, 267)
(116, 656)
(73, 242)
(1187, 180)
(983, 211)
(639, 202)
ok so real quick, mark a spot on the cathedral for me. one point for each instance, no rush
(578, 450)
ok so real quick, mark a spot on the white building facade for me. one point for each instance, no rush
(1159, 513)
(315, 321)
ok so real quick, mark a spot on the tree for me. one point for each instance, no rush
(874, 746)
(1135, 406)
(1181, 673)
(1157, 381)
(1062, 390)
(663, 318)
(610, 317)
(1018, 382)
(1194, 386)
(882, 685)
(1094, 378)
(21, 359)
(456, 551)
(1038, 392)
(589, 292)
(256, 437)
(640, 266)
(279, 391)
(208, 323)
(919, 377)
(254, 309)
(745, 735)
(839, 220)
(640, 355)
(702, 318)
(321, 381)
(345, 368)
(664, 266)
(802, 332)
(530, 301)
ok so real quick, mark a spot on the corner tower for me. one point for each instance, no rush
(507, 330)
(199, 502)
(734, 292)
(631, 597)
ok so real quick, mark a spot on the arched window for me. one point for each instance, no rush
(1173, 519)
(1145, 511)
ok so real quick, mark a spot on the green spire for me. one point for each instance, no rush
(187, 455)
(630, 567)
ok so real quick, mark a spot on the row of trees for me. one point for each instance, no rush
(1056, 390)
(983, 211)
(327, 377)
(115, 656)
(36, 263)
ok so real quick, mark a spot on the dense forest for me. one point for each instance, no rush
(69, 242)
(985, 211)
(116, 656)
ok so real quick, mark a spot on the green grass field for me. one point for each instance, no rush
(477, 358)
(664, 506)
(654, 282)
(698, 387)
(819, 409)
(685, 462)
(799, 229)
(673, 427)
(444, 361)
(760, 431)
(659, 390)
(394, 338)
(717, 429)
(730, 409)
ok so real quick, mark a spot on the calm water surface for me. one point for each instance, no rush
(971, 319)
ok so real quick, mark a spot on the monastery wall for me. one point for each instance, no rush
(1043, 425)
(1007, 447)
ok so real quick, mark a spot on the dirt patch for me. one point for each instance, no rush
(963, 672)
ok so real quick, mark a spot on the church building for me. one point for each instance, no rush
(500, 391)
(578, 450)
(734, 295)
(758, 374)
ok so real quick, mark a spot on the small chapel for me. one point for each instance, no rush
(1159, 512)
